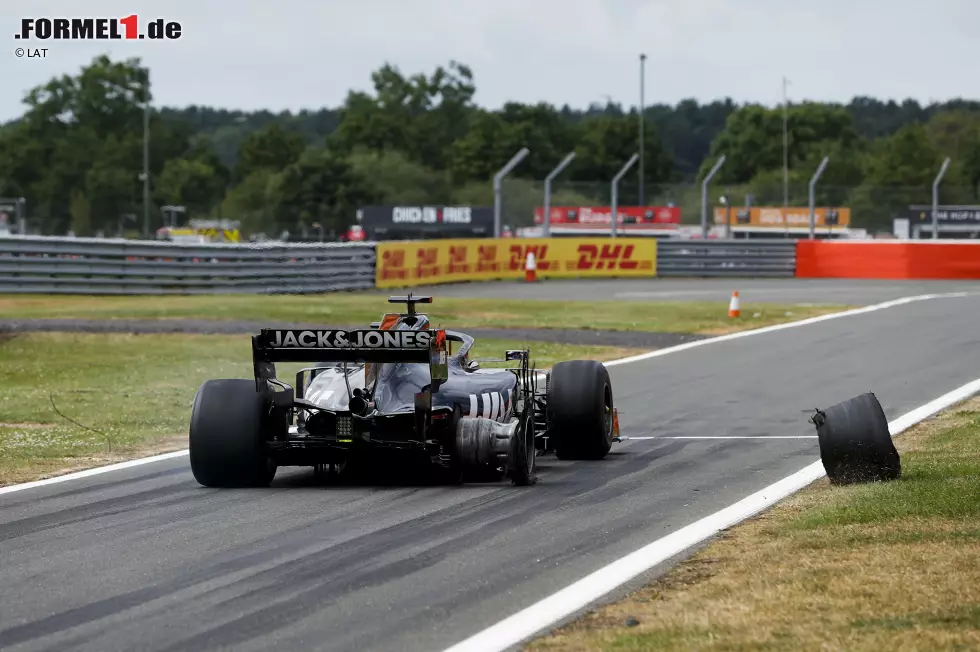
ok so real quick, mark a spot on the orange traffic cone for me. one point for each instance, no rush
(530, 268)
(733, 309)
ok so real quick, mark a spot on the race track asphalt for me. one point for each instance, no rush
(852, 292)
(146, 559)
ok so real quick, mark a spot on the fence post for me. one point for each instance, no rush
(935, 198)
(547, 191)
(727, 202)
(497, 178)
(615, 189)
(704, 196)
(813, 182)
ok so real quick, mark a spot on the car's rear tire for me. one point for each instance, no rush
(580, 410)
(227, 443)
(523, 453)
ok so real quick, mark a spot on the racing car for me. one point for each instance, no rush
(398, 389)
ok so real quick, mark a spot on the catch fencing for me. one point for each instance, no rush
(52, 265)
(106, 266)
(714, 258)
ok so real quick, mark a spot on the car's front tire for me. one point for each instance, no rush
(580, 410)
(227, 443)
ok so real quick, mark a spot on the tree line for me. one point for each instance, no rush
(76, 154)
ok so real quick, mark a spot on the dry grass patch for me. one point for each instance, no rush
(49, 467)
(891, 566)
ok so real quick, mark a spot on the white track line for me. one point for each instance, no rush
(532, 620)
(93, 471)
(612, 363)
(625, 439)
(793, 324)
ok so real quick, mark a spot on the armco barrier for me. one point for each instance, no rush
(925, 259)
(106, 266)
(102, 266)
(404, 264)
(726, 258)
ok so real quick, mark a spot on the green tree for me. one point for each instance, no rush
(485, 148)
(420, 137)
(270, 148)
(392, 178)
(191, 183)
(495, 136)
(81, 214)
(111, 192)
(752, 141)
(971, 169)
(251, 202)
(606, 143)
(907, 159)
(956, 134)
(84, 133)
(321, 187)
(900, 173)
(419, 116)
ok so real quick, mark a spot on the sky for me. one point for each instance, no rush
(296, 54)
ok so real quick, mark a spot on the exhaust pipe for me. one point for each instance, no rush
(358, 405)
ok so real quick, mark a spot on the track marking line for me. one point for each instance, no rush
(793, 324)
(530, 621)
(611, 363)
(625, 439)
(93, 471)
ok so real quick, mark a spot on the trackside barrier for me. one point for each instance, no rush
(118, 266)
(404, 264)
(726, 258)
(926, 259)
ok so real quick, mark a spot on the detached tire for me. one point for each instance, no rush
(227, 447)
(580, 410)
(855, 445)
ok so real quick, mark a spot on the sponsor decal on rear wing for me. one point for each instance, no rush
(374, 345)
(332, 345)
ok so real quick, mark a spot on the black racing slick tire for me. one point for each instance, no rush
(227, 447)
(580, 410)
(855, 443)
(523, 454)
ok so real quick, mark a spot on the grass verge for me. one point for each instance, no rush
(130, 395)
(708, 318)
(888, 566)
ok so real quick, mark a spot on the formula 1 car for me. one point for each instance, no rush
(397, 389)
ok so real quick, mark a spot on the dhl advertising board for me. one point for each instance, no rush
(404, 264)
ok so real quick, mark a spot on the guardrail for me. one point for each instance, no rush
(726, 258)
(52, 265)
(117, 266)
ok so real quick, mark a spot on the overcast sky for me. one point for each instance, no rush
(293, 54)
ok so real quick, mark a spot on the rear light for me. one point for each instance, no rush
(345, 428)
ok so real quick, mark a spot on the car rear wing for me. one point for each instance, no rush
(368, 345)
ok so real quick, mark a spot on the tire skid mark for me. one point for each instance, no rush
(324, 562)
